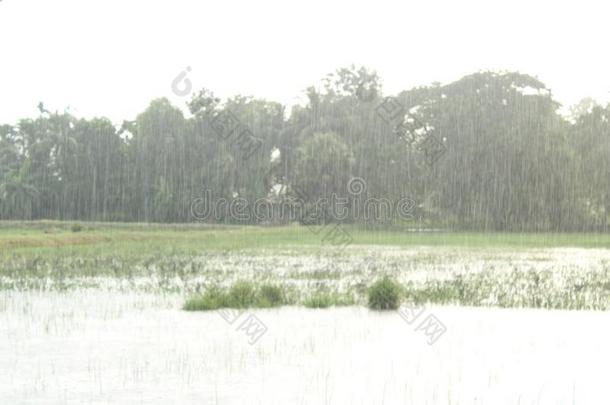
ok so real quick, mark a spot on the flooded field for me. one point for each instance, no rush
(103, 322)
(556, 278)
(90, 346)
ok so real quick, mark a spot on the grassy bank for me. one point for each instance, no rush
(51, 238)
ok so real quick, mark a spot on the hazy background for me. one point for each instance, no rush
(112, 57)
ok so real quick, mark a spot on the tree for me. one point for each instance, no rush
(506, 160)
(322, 168)
(512, 162)
(18, 196)
(591, 138)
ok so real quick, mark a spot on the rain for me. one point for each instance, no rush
(346, 203)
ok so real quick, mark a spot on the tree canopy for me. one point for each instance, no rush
(508, 159)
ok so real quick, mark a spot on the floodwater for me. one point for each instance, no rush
(96, 347)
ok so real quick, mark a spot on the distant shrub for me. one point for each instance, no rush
(341, 300)
(213, 298)
(242, 294)
(270, 295)
(320, 300)
(384, 294)
(325, 300)
(76, 227)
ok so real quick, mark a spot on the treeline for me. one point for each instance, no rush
(507, 160)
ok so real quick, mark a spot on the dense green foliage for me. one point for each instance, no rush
(242, 294)
(384, 294)
(211, 299)
(512, 162)
(270, 295)
(319, 300)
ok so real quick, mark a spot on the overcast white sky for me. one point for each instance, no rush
(112, 57)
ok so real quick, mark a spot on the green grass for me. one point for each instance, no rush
(242, 294)
(212, 299)
(51, 238)
(384, 294)
(518, 289)
(270, 295)
(327, 300)
(50, 254)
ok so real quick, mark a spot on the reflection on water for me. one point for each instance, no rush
(90, 346)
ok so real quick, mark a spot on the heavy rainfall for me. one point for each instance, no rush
(443, 242)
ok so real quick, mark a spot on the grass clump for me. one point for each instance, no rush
(326, 300)
(320, 300)
(76, 228)
(211, 299)
(242, 294)
(270, 295)
(384, 294)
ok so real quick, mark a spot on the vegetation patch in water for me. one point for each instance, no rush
(384, 294)
(242, 294)
(518, 289)
(328, 299)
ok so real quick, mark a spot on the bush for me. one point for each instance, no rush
(213, 298)
(244, 294)
(270, 296)
(76, 227)
(384, 294)
(329, 299)
(320, 300)
(241, 294)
